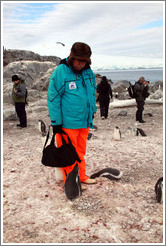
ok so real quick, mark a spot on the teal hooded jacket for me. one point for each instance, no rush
(71, 97)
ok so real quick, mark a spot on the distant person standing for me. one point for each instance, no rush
(141, 91)
(19, 99)
(105, 91)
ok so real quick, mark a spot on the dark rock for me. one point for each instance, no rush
(9, 114)
(149, 114)
(120, 86)
(122, 113)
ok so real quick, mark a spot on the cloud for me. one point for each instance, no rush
(110, 28)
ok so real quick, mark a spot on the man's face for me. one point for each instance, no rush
(16, 82)
(78, 65)
(142, 80)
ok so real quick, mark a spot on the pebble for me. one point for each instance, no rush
(146, 227)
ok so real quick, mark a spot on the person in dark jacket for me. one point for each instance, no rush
(105, 91)
(19, 99)
(141, 90)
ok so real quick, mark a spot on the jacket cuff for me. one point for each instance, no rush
(55, 123)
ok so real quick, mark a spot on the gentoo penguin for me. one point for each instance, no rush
(117, 134)
(42, 127)
(72, 186)
(108, 172)
(159, 190)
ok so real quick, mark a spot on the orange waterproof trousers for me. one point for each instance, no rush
(78, 138)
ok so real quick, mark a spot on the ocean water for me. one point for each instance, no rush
(152, 75)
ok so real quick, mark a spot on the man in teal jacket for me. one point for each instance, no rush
(72, 102)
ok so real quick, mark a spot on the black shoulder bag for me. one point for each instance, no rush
(63, 156)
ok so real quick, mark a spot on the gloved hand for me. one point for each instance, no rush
(57, 129)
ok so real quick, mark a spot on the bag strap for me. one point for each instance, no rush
(53, 138)
(63, 140)
(76, 155)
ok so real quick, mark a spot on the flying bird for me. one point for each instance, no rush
(60, 43)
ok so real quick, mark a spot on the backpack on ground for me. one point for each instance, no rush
(131, 91)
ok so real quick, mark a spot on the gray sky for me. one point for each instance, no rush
(120, 33)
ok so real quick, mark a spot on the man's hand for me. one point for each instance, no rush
(57, 129)
(146, 83)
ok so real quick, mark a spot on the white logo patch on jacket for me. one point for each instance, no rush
(72, 85)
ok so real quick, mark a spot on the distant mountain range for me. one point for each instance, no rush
(99, 62)
(103, 62)
(129, 68)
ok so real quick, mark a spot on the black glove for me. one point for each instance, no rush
(57, 129)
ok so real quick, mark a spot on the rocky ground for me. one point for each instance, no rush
(36, 210)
